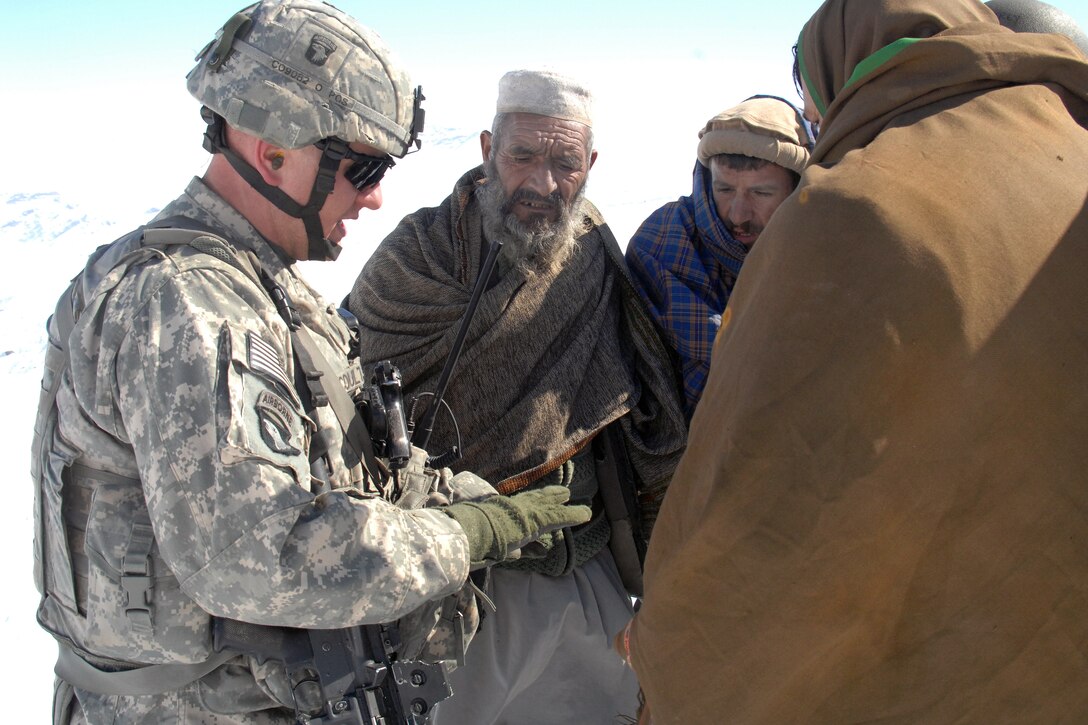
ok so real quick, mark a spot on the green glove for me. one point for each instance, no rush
(499, 526)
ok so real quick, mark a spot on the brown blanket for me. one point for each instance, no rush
(882, 514)
(549, 360)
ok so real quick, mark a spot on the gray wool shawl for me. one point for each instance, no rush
(550, 358)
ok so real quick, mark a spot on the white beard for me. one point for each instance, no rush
(535, 247)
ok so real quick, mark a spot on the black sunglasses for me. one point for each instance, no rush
(365, 170)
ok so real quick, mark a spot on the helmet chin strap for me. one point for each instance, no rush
(320, 249)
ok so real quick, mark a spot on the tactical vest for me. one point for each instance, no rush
(135, 597)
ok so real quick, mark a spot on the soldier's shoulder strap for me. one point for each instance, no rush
(163, 234)
(160, 235)
(181, 231)
(318, 371)
(176, 231)
(149, 680)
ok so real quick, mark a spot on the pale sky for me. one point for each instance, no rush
(93, 92)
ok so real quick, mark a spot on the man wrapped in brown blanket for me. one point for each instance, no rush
(562, 373)
(882, 513)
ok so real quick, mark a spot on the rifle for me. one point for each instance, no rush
(342, 676)
(352, 675)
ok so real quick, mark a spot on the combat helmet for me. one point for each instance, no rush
(1034, 16)
(301, 72)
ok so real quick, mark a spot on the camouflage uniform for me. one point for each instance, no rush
(179, 412)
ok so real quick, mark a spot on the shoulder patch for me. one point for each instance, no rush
(263, 358)
(274, 415)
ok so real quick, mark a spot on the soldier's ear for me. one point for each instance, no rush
(592, 158)
(270, 162)
(485, 144)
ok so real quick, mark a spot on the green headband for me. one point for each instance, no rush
(809, 85)
(862, 69)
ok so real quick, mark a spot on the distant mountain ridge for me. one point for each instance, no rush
(46, 240)
(46, 216)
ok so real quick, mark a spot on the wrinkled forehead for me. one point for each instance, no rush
(543, 133)
(756, 173)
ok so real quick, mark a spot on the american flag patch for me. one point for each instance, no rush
(264, 359)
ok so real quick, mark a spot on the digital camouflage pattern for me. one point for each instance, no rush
(179, 388)
(303, 71)
(440, 630)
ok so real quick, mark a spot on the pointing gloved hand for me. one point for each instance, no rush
(499, 526)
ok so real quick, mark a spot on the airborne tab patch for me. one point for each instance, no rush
(264, 359)
(274, 415)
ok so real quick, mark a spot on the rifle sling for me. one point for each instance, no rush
(620, 507)
(351, 423)
(149, 680)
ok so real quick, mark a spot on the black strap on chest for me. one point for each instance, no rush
(150, 680)
(314, 370)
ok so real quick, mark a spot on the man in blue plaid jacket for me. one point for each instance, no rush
(686, 256)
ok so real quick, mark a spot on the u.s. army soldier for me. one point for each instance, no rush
(193, 458)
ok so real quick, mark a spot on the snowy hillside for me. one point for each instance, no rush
(45, 238)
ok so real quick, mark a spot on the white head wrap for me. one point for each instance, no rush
(545, 94)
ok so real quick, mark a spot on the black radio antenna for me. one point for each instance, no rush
(426, 425)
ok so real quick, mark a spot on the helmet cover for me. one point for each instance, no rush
(294, 72)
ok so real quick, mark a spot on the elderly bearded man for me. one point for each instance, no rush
(686, 256)
(883, 509)
(564, 379)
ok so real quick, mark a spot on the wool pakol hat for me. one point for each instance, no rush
(763, 128)
(545, 94)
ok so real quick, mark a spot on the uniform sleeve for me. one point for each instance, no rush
(221, 441)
